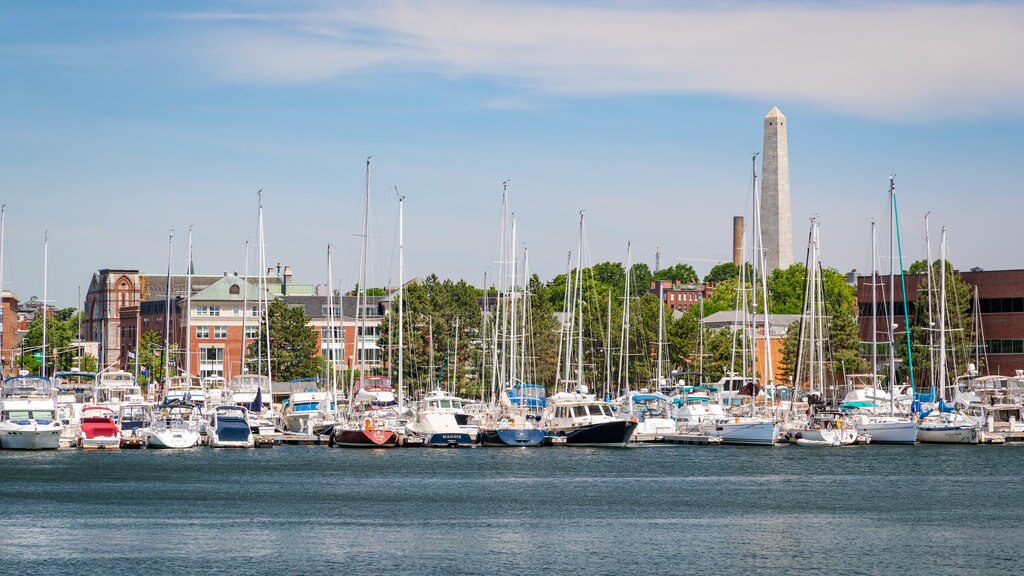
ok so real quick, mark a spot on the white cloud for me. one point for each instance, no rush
(870, 59)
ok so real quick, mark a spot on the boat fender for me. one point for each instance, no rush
(737, 419)
(369, 425)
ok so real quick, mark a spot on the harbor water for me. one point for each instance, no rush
(657, 510)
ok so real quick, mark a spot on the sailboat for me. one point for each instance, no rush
(861, 402)
(372, 416)
(819, 426)
(945, 424)
(515, 421)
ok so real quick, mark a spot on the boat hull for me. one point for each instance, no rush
(32, 437)
(100, 443)
(376, 438)
(447, 440)
(611, 434)
(173, 439)
(513, 437)
(888, 432)
(743, 433)
(947, 435)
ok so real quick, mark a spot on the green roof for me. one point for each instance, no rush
(228, 288)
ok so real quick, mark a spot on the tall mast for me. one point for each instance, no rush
(903, 284)
(763, 268)
(892, 293)
(579, 288)
(931, 294)
(167, 313)
(624, 355)
(661, 330)
(525, 311)
(188, 310)
(942, 316)
(812, 288)
(3, 220)
(245, 311)
(401, 301)
(264, 294)
(562, 338)
(46, 267)
(331, 336)
(874, 310)
(512, 314)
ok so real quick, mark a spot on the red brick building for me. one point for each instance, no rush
(681, 296)
(1001, 300)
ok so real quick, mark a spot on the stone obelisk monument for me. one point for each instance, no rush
(776, 220)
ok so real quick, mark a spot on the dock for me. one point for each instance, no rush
(296, 439)
(694, 439)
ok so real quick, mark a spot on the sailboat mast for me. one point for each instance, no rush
(401, 302)
(264, 295)
(627, 293)
(188, 310)
(46, 267)
(942, 315)
(661, 330)
(874, 310)
(361, 294)
(579, 289)
(892, 294)
(245, 311)
(512, 318)
(3, 221)
(167, 313)
(332, 375)
(931, 296)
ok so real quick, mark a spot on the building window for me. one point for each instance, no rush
(369, 354)
(325, 310)
(202, 311)
(368, 331)
(220, 332)
(235, 311)
(1005, 346)
(252, 332)
(214, 310)
(202, 331)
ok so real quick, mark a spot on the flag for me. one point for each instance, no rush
(144, 371)
(131, 355)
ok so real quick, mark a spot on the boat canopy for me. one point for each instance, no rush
(858, 404)
(27, 386)
(648, 397)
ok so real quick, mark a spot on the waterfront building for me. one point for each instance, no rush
(10, 335)
(1001, 302)
(778, 326)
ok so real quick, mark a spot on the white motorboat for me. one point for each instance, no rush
(652, 412)
(436, 423)
(307, 408)
(175, 426)
(135, 420)
(822, 429)
(698, 411)
(28, 414)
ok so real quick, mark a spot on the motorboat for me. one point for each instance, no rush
(176, 425)
(134, 420)
(254, 392)
(435, 421)
(28, 419)
(230, 428)
(117, 387)
(580, 419)
(699, 411)
(735, 390)
(99, 428)
(307, 408)
(372, 420)
(652, 411)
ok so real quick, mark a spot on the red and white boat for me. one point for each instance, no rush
(372, 421)
(100, 429)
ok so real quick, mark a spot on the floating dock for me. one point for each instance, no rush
(694, 439)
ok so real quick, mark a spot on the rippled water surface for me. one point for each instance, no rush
(316, 510)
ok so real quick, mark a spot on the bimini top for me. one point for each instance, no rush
(857, 404)
(27, 386)
(647, 397)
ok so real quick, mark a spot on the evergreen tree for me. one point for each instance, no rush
(293, 343)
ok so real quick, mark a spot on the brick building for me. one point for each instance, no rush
(1001, 300)
(10, 335)
(681, 296)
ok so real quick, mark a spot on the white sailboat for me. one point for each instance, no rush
(945, 425)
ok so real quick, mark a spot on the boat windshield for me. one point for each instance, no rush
(250, 383)
(16, 415)
(27, 386)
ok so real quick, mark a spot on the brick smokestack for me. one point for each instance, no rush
(737, 240)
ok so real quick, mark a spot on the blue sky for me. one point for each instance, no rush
(122, 120)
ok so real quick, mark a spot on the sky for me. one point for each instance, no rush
(123, 120)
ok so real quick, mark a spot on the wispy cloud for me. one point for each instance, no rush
(869, 59)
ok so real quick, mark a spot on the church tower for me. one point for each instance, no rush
(776, 220)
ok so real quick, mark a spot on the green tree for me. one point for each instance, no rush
(61, 330)
(293, 343)
(722, 272)
(678, 273)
